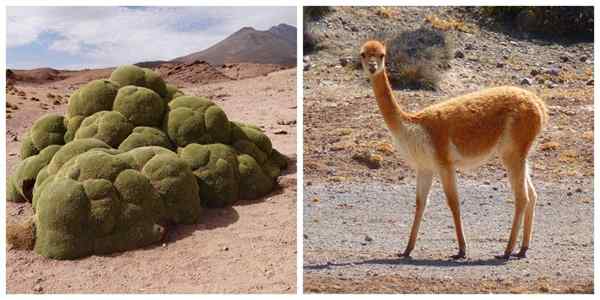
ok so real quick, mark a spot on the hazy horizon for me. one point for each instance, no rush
(98, 37)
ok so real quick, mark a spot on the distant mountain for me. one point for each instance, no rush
(248, 45)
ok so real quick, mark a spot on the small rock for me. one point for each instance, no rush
(368, 238)
(564, 58)
(306, 66)
(578, 190)
(354, 28)
(459, 54)
(534, 72)
(590, 82)
(553, 71)
(344, 61)
(281, 132)
(499, 65)
(38, 288)
(525, 81)
(583, 58)
(569, 194)
(225, 248)
(469, 46)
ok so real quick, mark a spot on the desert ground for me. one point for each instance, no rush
(247, 248)
(358, 213)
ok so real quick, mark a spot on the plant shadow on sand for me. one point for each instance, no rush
(413, 262)
(213, 218)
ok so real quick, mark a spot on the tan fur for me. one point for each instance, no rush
(461, 133)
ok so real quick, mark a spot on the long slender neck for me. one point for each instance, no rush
(391, 111)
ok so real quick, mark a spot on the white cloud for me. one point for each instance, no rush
(108, 36)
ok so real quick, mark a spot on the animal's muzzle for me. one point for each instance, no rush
(372, 66)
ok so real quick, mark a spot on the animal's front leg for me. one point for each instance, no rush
(448, 178)
(424, 179)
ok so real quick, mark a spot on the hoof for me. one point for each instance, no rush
(458, 256)
(503, 256)
(521, 254)
(404, 254)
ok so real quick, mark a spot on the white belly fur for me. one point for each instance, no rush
(414, 146)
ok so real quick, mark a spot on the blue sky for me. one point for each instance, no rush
(93, 37)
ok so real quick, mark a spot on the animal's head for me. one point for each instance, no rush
(372, 57)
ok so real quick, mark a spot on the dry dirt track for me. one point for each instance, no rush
(249, 248)
(353, 231)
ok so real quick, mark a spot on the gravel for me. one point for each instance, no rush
(335, 229)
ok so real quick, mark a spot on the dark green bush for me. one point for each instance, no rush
(316, 12)
(560, 20)
(416, 59)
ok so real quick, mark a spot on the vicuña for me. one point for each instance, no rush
(462, 133)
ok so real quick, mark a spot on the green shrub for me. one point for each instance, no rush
(100, 202)
(172, 92)
(110, 127)
(89, 197)
(316, 12)
(416, 59)
(46, 131)
(196, 120)
(216, 169)
(145, 136)
(95, 96)
(141, 77)
(254, 183)
(555, 20)
(140, 106)
(20, 185)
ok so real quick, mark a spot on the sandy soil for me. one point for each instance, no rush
(356, 218)
(248, 248)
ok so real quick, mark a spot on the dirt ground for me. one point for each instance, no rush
(357, 218)
(248, 248)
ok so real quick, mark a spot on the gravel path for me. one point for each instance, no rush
(353, 231)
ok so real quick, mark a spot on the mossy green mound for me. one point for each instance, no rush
(20, 185)
(140, 106)
(99, 202)
(172, 92)
(105, 177)
(95, 96)
(196, 120)
(216, 169)
(46, 131)
(145, 136)
(254, 182)
(142, 77)
(110, 127)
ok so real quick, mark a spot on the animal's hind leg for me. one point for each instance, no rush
(448, 178)
(516, 168)
(529, 215)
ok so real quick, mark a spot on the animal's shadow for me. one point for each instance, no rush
(445, 263)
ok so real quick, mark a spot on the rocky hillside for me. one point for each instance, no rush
(248, 45)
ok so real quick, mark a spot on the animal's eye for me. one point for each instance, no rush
(382, 55)
(362, 55)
